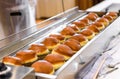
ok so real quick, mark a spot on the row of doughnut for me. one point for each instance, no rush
(51, 53)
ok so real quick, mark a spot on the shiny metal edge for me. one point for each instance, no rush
(46, 75)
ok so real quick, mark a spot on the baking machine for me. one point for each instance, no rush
(95, 46)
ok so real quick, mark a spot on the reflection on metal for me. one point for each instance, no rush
(113, 7)
(19, 72)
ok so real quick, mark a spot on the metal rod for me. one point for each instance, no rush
(63, 7)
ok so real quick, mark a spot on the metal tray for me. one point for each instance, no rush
(94, 46)
(113, 7)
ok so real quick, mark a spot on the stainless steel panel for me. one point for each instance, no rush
(113, 7)
(19, 72)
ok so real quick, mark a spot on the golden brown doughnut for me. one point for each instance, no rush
(99, 25)
(113, 14)
(73, 44)
(85, 20)
(67, 32)
(58, 36)
(104, 21)
(56, 60)
(81, 38)
(89, 34)
(74, 27)
(93, 28)
(108, 17)
(64, 50)
(27, 56)
(12, 60)
(50, 42)
(40, 49)
(92, 16)
(80, 24)
(43, 66)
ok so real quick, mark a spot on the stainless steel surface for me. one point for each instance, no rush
(20, 72)
(113, 7)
